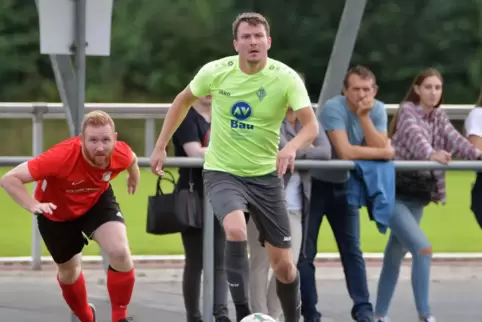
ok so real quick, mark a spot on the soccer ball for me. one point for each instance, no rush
(258, 317)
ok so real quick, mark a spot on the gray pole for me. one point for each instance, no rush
(80, 60)
(80, 66)
(208, 260)
(342, 50)
(37, 149)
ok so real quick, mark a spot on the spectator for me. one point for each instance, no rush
(348, 119)
(419, 131)
(191, 140)
(473, 124)
(297, 188)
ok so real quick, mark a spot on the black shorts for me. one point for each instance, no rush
(262, 197)
(65, 239)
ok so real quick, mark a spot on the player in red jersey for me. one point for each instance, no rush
(74, 198)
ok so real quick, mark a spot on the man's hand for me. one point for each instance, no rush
(286, 158)
(43, 208)
(158, 158)
(364, 106)
(132, 183)
(442, 157)
(390, 150)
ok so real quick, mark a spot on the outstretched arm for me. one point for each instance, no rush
(14, 183)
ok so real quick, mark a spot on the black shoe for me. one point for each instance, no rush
(92, 307)
(130, 319)
(222, 318)
(242, 311)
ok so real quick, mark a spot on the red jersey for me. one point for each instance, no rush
(66, 179)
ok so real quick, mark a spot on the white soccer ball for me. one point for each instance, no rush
(258, 317)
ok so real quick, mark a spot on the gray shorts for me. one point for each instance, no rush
(263, 198)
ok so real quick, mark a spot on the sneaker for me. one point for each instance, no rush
(429, 319)
(92, 307)
(384, 319)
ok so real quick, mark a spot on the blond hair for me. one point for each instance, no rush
(253, 19)
(97, 118)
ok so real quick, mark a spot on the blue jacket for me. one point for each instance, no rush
(372, 184)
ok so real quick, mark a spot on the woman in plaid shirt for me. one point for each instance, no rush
(419, 131)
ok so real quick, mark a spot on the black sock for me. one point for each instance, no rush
(290, 299)
(237, 272)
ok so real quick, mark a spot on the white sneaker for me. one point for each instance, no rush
(430, 319)
(384, 319)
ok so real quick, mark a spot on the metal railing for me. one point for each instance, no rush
(39, 111)
(154, 110)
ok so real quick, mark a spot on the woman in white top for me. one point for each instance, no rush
(473, 124)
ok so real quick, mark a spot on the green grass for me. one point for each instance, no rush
(450, 228)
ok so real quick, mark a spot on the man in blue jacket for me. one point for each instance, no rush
(350, 120)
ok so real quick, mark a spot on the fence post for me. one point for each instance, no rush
(208, 260)
(37, 149)
(149, 136)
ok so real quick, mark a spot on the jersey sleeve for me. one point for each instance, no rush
(50, 163)
(123, 156)
(331, 116)
(201, 83)
(297, 94)
(473, 123)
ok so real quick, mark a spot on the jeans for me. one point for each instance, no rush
(330, 199)
(406, 235)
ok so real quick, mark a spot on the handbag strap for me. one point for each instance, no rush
(167, 177)
(191, 181)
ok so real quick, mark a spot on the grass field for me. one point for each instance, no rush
(450, 228)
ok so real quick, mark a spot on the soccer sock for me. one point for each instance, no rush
(237, 271)
(290, 299)
(120, 286)
(76, 297)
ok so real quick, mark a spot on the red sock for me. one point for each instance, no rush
(120, 286)
(76, 297)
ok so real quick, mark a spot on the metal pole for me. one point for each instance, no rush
(342, 50)
(80, 60)
(208, 260)
(37, 149)
(149, 136)
(80, 66)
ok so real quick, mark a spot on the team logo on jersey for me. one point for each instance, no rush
(106, 176)
(261, 93)
(241, 111)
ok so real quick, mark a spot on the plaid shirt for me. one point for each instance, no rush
(419, 133)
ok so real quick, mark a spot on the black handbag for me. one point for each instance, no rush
(189, 205)
(415, 184)
(162, 217)
(175, 212)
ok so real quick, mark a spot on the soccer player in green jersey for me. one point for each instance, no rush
(242, 169)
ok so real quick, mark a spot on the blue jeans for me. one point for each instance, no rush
(330, 199)
(406, 235)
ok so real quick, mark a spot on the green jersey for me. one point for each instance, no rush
(247, 112)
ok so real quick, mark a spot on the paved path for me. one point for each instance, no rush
(27, 296)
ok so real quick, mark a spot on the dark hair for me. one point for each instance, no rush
(253, 19)
(479, 101)
(362, 72)
(413, 97)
